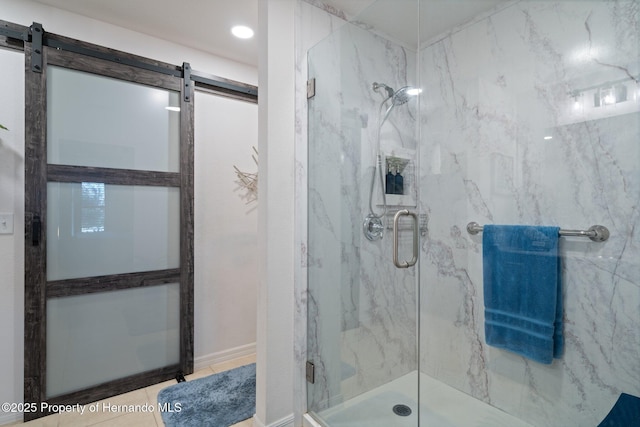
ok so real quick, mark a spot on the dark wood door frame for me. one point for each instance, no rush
(38, 173)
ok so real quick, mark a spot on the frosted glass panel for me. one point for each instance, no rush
(94, 229)
(104, 122)
(95, 338)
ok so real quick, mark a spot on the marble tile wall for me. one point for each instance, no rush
(494, 90)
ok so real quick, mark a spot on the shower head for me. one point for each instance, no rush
(398, 97)
(402, 95)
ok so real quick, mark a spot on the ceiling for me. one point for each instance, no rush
(200, 24)
(206, 24)
(410, 21)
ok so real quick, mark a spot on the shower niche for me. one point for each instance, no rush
(400, 178)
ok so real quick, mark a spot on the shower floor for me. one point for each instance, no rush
(442, 406)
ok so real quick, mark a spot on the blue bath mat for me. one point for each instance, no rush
(219, 400)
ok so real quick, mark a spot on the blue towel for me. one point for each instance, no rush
(522, 290)
(625, 413)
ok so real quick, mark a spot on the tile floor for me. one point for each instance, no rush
(138, 397)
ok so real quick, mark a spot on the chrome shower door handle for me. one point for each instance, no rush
(396, 219)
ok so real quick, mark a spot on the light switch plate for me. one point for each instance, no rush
(6, 223)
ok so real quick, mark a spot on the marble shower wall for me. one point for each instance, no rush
(361, 309)
(495, 89)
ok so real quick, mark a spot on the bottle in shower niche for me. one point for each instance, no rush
(390, 184)
(399, 183)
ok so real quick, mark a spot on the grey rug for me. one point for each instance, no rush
(219, 400)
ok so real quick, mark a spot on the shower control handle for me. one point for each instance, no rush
(396, 219)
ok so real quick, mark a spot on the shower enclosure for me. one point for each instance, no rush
(529, 113)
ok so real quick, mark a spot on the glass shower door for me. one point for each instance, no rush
(362, 308)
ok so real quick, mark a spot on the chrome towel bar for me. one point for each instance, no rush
(597, 233)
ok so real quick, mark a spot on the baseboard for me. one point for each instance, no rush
(10, 418)
(222, 356)
(284, 422)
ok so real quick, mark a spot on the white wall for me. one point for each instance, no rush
(225, 273)
(275, 363)
(226, 250)
(12, 246)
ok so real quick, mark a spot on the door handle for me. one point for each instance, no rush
(36, 230)
(396, 219)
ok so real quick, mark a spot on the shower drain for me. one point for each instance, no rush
(402, 410)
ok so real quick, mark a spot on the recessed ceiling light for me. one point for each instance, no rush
(242, 32)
